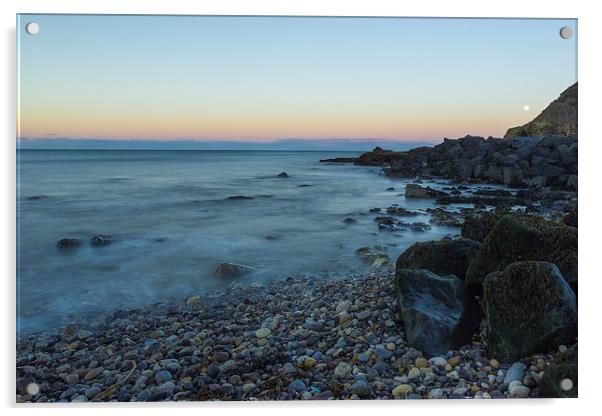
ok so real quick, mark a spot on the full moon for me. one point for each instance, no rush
(526, 108)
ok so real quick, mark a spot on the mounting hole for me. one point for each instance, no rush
(32, 388)
(566, 384)
(566, 32)
(32, 28)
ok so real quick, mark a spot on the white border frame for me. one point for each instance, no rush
(590, 35)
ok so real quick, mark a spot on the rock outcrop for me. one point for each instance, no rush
(559, 118)
(442, 257)
(519, 238)
(437, 312)
(529, 308)
(544, 153)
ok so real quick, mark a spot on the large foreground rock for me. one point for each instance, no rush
(440, 257)
(437, 312)
(523, 237)
(563, 367)
(529, 309)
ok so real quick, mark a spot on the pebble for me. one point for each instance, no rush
(162, 376)
(361, 388)
(435, 394)
(262, 333)
(342, 370)
(438, 361)
(519, 391)
(363, 315)
(515, 372)
(413, 373)
(401, 390)
(296, 386)
(92, 392)
(93, 373)
(421, 362)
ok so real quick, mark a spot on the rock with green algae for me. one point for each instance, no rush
(440, 257)
(560, 379)
(522, 237)
(529, 309)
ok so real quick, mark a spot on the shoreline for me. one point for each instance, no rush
(291, 339)
(296, 338)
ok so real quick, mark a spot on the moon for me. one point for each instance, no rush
(526, 107)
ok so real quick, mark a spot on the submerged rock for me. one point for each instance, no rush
(283, 175)
(440, 257)
(100, 240)
(237, 197)
(437, 312)
(524, 237)
(68, 242)
(233, 270)
(529, 309)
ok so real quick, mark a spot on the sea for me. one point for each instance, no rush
(171, 220)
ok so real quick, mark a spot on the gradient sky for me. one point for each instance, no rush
(265, 78)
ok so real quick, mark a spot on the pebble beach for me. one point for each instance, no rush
(295, 339)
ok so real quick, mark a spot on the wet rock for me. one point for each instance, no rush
(437, 311)
(240, 197)
(233, 270)
(417, 191)
(283, 175)
(100, 240)
(529, 309)
(440, 216)
(440, 257)
(525, 237)
(361, 388)
(477, 225)
(65, 243)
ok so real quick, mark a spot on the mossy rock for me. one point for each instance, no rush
(521, 238)
(564, 366)
(529, 309)
(440, 257)
(477, 226)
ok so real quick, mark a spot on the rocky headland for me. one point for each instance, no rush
(488, 312)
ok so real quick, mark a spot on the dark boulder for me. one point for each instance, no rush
(100, 240)
(417, 191)
(437, 312)
(440, 257)
(525, 237)
(283, 175)
(68, 243)
(439, 216)
(529, 309)
(563, 367)
(477, 225)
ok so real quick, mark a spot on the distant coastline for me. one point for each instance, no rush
(360, 145)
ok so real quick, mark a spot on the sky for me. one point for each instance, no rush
(259, 79)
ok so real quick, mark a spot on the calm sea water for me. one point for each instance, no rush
(171, 223)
